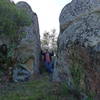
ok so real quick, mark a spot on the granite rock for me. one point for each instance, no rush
(28, 51)
(78, 46)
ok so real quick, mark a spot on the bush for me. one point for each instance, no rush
(12, 18)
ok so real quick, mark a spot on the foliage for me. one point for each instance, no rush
(53, 40)
(38, 89)
(49, 40)
(12, 18)
(45, 41)
(78, 72)
(76, 69)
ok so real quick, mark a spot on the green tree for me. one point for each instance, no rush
(12, 19)
(49, 40)
(53, 40)
(45, 41)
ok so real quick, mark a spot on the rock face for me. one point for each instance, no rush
(78, 56)
(21, 74)
(28, 51)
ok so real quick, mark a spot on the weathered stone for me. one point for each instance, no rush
(75, 9)
(28, 51)
(21, 73)
(78, 45)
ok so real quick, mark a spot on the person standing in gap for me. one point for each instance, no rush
(48, 60)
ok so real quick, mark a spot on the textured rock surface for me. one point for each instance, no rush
(28, 51)
(21, 74)
(79, 45)
(75, 9)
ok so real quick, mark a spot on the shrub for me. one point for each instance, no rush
(12, 18)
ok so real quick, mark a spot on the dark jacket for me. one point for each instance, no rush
(50, 55)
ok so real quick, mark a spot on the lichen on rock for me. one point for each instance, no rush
(78, 45)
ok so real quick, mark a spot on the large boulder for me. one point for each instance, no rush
(28, 51)
(78, 56)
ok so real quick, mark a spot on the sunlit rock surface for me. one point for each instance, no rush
(78, 56)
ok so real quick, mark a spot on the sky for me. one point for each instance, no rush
(48, 12)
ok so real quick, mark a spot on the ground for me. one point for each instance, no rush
(40, 88)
